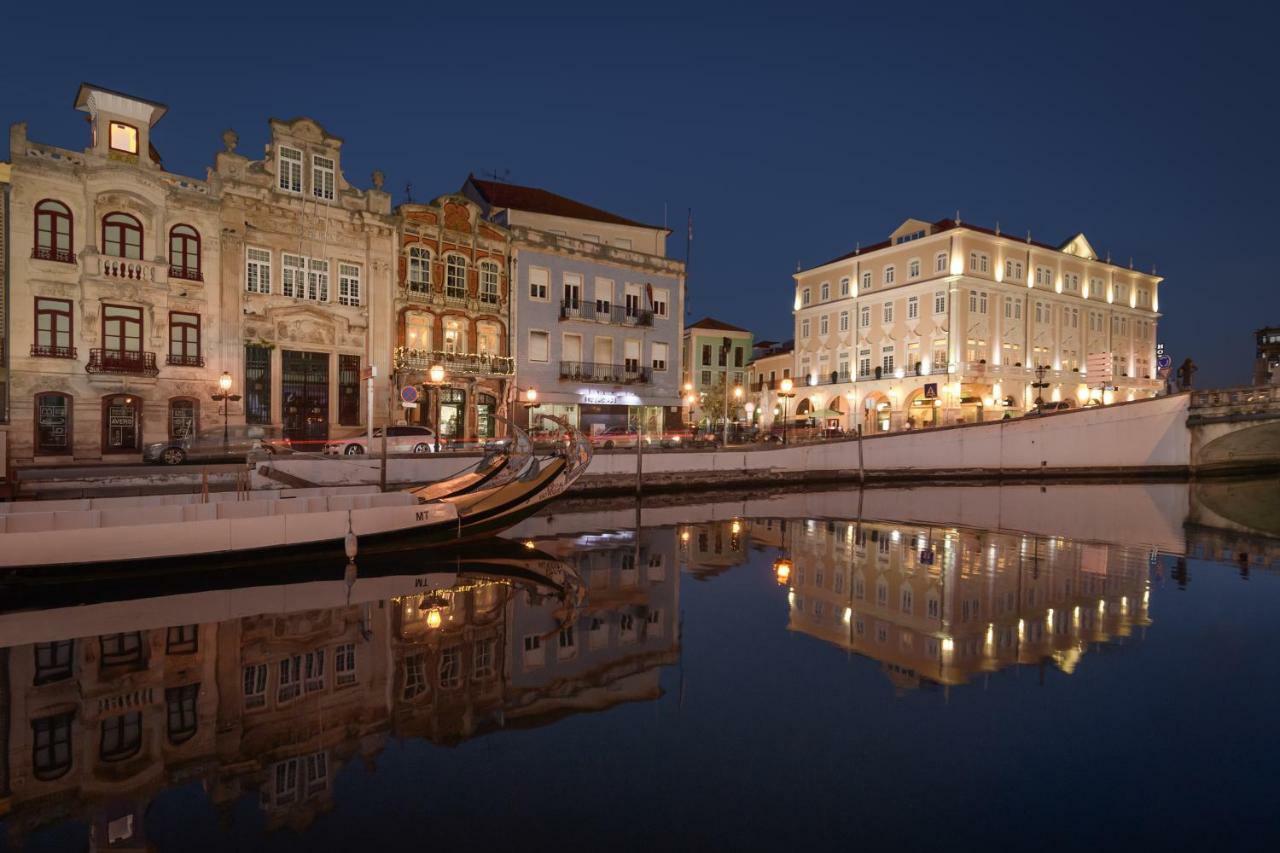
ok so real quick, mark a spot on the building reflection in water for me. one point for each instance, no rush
(942, 605)
(273, 705)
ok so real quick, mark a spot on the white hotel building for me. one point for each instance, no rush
(946, 323)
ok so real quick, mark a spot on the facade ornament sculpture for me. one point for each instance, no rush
(230, 139)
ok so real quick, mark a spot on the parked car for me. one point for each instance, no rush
(617, 436)
(1049, 408)
(239, 441)
(400, 439)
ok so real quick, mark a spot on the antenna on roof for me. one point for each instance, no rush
(494, 175)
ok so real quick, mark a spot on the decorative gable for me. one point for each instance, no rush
(1079, 246)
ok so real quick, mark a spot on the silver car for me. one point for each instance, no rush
(240, 441)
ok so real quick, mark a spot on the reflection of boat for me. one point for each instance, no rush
(125, 535)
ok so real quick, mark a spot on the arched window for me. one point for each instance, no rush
(489, 283)
(122, 236)
(184, 252)
(488, 339)
(419, 270)
(184, 415)
(455, 335)
(53, 423)
(53, 232)
(51, 745)
(417, 330)
(455, 277)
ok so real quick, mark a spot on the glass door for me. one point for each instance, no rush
(305, 386)
(120, 424)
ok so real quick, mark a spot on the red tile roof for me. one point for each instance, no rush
(711, 323)
(534, 200)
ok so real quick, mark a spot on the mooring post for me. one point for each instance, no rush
(862, 471)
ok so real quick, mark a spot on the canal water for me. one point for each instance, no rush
(1028, 667)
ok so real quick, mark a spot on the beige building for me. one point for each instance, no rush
(113, 294)
(946, 322)
(308, 259)
(771, 364)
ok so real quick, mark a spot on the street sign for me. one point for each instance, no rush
(931, 390)
(1101, 367)
(408, 405)
(409, 394)
(1164, 362)
(369, 372)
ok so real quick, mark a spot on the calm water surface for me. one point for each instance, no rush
(1069, 667)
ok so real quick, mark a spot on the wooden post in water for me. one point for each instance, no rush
(862, 471)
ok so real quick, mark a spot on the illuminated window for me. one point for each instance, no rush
(123, 137)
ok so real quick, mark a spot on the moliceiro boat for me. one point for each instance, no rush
(59, 540)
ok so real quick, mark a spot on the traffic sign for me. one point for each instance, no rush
(408, 405)
(409, 394)
(1164, 362)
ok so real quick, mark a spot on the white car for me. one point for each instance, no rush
(400, 439)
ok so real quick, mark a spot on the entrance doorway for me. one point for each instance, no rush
(485, 410)
(305, 385)
(120, 432)
(453, 413)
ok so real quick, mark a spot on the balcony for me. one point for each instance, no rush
(126, 362)
(618, 315)
(176, 360)
(488, 305)
(45, 253)
(48, 351)
(418, 292)
(185, 274)
(129, 270)
(455, 363)
(608, 374)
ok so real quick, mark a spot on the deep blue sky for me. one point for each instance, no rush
(1153, 131)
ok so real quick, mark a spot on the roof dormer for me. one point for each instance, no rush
(121, 123)
(912, 229)
(1079, 247)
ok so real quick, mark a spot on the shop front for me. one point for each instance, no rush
(593, 412)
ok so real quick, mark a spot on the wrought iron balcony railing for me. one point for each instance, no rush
(455, 363)
(618, 315)
(611, 374)
(46, 253)
(178, 360)
(129, 362)
(185, 273)
(49, 351)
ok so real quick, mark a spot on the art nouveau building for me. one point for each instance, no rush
(946, 322)
(113, 299)
(598, 308)
(453, 309)
(308, 259)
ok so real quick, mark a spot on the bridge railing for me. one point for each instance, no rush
(1252, 397)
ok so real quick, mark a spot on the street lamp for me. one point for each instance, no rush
(737, 395)
(786, 392)
(225, 397)
(436, 377)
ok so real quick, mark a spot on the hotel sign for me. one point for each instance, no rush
(592, 397)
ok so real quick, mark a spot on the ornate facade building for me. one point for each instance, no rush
(113, 294)
(453, 309)
(308, 261)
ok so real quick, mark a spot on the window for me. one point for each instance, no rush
(539, 346)
(344, 664)
(53, 661)
(978, 262)
(120, 649)
(257, 270)
(659, 356)
(122, 236)
(823, 325)
(182, 640)
(322, 177)
(289, 686)
(51, 746)
(313, 671)
(290, 168)
(888, 275)
(844, 321)
(257, 381)
(53, 232)
(886, 359)
(866, 281)
(568, 644)
(940, 302)
(538, 278)
(449, 669)
(184, 252)
(1071, 282)
(53, 329)
(419, 270)
(940, 354)
(864, 316)
(804, 328)
(661, 298)
(864, 363)
(348, 284)
(533, 655)
(913, 268)
(913, 308)
(184, 339)
(706, 377)
(844, 287)
(53, 423)
(122, 137)
(348, 389)
(180, 702)
(255, 685)
(455, 277)
(415, 676)
(482, 659)
(293, 275)
(940, 262)
(826, 291)
(318, 281)
(121, 328)
(887, 312)
(804, 296)
(1044, 277)
(121, 736)
(489, 283)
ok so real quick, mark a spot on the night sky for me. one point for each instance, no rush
(1152, 131)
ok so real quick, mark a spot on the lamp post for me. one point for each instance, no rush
(225, 397)
(737, 395)
(786, 392)
(436, 376)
